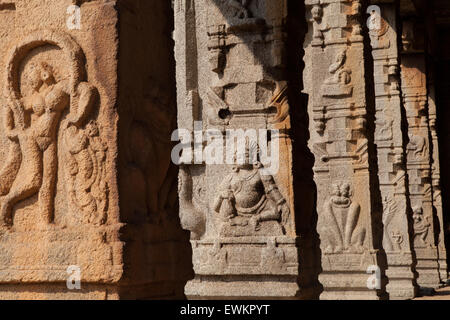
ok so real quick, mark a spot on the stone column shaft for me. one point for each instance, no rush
(390, 151)
(335, 80)
(232, 75)
(415, 102)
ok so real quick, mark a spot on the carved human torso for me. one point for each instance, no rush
(47, 106)
(248, 189)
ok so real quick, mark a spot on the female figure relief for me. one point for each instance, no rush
(34, 126)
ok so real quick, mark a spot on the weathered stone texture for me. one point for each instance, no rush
(335, 80)
(232, 72)
(79, 112)
(390, 151)
(356, 110)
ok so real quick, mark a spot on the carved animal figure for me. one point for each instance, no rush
(339, 74)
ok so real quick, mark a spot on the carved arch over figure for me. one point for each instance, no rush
(38, 39)
(35, 141)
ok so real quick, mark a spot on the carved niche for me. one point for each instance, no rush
(46, 97)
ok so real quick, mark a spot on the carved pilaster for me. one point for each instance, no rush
(241, 219)
(414, 94)
(335, 81)
(436, 176)
(390, 151)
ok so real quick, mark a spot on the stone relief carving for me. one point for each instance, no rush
(242, 225)
(86, 176)
(33, 119)
(192, 219)
(249, 203)
(378, 39)
(418, 146)
(392, 239)
(317, 14)
(338, 84)
(384, 129)
(341, 227)
(421, 228)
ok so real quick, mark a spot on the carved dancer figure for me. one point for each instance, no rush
(37, 139)
(421, 225)
(339, 222)
(249, 197)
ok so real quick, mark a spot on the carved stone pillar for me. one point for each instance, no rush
(335, 80)
(436, 178)
(390, 151)
(415, 101)
(86, 114)
(231, 74)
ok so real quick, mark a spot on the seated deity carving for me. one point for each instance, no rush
(249, 203)
(339, 224)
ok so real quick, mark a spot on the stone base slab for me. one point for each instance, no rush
(245, 287)
(246, 256)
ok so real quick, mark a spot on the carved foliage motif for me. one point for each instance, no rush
(86, 176)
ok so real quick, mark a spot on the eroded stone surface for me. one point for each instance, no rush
(62, 167)
(231, 61)
(390, 151)
(334, 78)
(86, 179)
